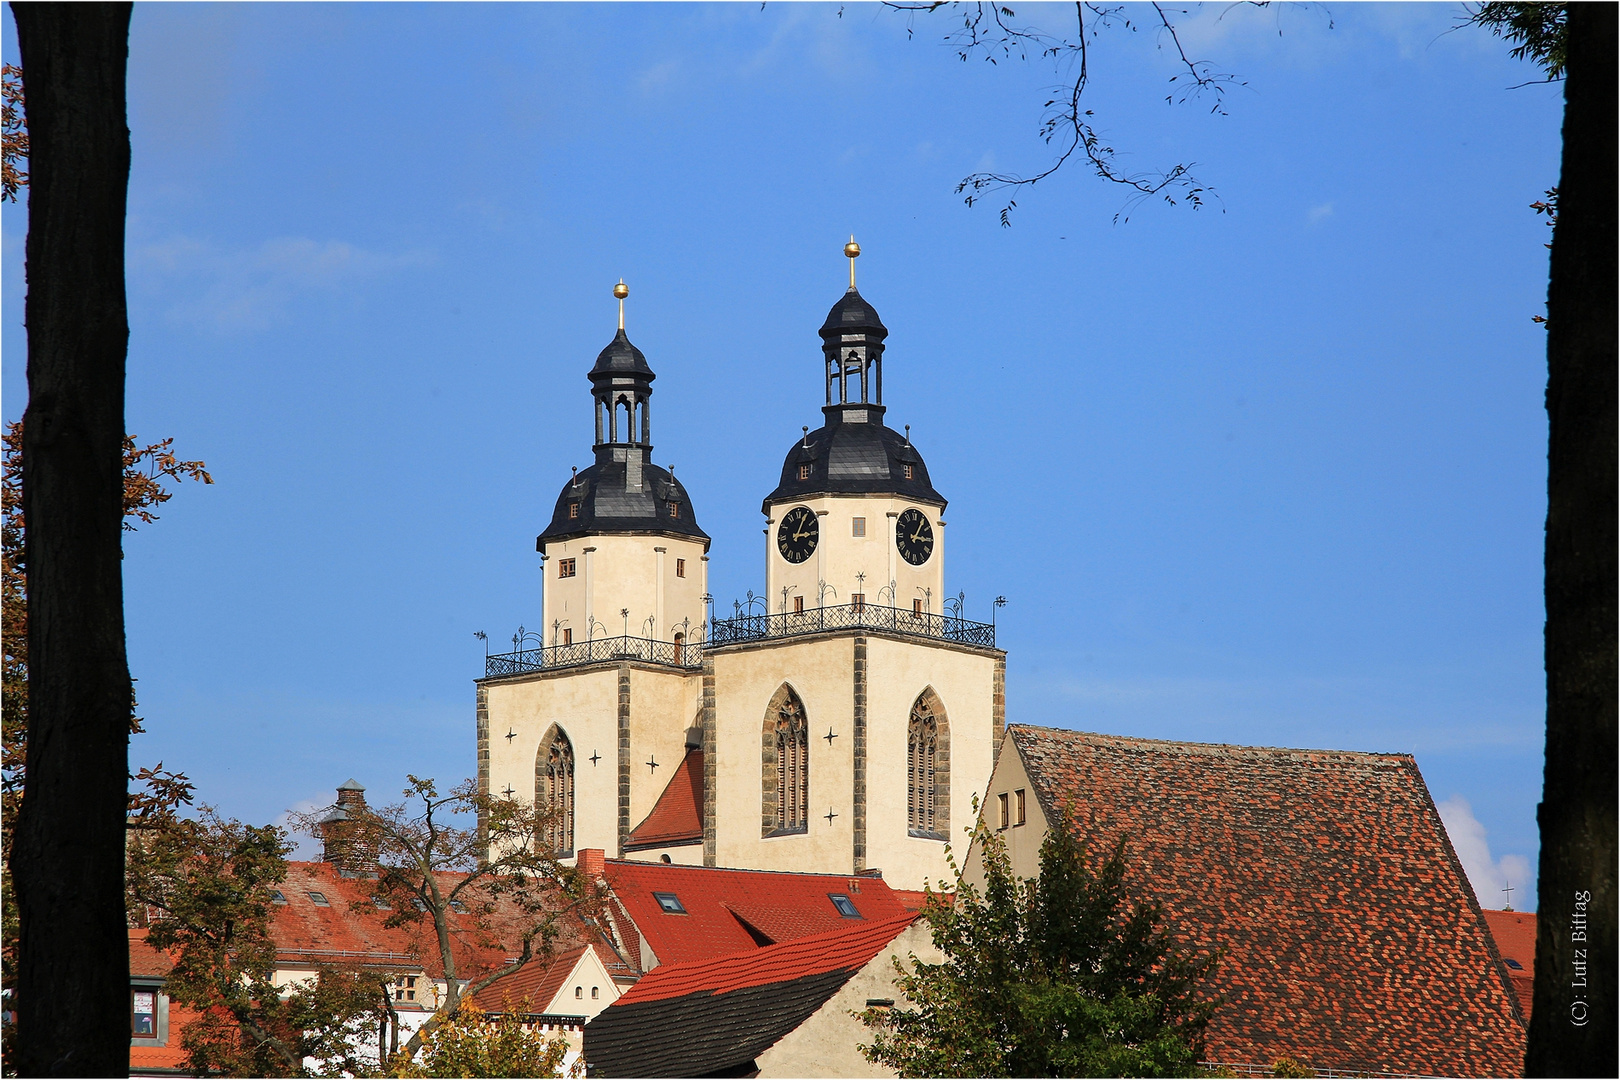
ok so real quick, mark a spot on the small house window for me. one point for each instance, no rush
(568, 635)
(680, 567)
(857, 526)
(143, 1014)
(405, 988)
(857, 602)
(579, 991)
(845, 906)
(1512, 963)
(798, 605)
(674, 509)
(804, 472)
(1018, 807)
(458, 907)
(596, 992)
(1006, 817)
(277, 896)
(916, 608)
(319, 899)
(907, 471)
(668, 901)
(565, 568)
(573, 511)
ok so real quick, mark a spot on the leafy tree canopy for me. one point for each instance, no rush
(1061, 975)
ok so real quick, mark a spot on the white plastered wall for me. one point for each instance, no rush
(841, 556)
(618, 573)
(663, 704)
(1023, 841)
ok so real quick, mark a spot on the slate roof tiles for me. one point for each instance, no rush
(1351, 938)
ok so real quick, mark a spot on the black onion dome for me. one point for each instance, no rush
(621, 358)
(852, 314)
(608, 505)
(855, 459)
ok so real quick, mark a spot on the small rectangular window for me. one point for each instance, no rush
(573, 511)
(916, 608)
(845, 906)
(680, 567)
(857, 602)
(1006, 818)
(568, 635)
(1018, 807)
(857, 526)
(907, 470)
(277, 896)
(674, 509)
(143, 1014)
(405, 988)
(319, 899)
(798, 605)
(804, 472)
(668, 901)
(565, 568)
(458, 907)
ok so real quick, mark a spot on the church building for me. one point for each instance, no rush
(839, 723)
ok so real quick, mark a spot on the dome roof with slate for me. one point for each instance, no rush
(855, 459)
(851, 313)
(607, 505)
(621, 358)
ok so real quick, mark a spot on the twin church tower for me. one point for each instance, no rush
(839, 724)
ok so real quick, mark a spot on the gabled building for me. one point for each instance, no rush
(782, 1010)
(156, 1025)
(1350, 937)
(1515, 936)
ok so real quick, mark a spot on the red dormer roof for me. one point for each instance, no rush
(146, 962)
(720, 906)
(677, 816)
(534, 987)
(1515, 936)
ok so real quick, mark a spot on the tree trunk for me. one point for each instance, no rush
(1572, 1030)
(68, 862)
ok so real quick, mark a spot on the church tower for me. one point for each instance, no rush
(854, 519)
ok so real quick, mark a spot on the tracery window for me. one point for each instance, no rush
(787, 764)
(554, 783)
(928, 808)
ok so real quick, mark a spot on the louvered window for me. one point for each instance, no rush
(792, 767)
(922, 781)
(557, 795)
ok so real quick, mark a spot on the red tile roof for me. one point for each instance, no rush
(145, 961)
(781, 906)
(847, 948)
(533, 986)
(677, 816)
(1351, 938)
(1515, 934)
(715, 1017)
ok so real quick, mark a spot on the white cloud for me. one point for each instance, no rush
(1317, 213)
(248, 289)
(658, 76)
(1487, 875)
(305, 847)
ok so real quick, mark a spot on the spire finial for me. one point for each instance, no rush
(853, 250)
(621, 290)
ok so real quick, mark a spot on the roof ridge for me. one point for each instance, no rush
(1039, 731)
(738, 870)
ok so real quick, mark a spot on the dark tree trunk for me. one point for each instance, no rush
(68, 862)
(1572, 1030)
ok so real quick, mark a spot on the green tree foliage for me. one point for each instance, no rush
(202, 887)
(1061, 975)
(1540, 31)
(472, 1043)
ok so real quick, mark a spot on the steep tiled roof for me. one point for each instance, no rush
(677, 816)
(1515, 934)
(709, 1017)
(1350, 936)
(721, 904)
(145, 961)
(535, 984)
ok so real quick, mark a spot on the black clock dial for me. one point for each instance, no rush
(914, 537)
(796, 536)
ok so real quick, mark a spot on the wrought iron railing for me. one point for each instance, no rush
(595, 651)
(851, 616)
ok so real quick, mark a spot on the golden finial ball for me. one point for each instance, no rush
(621, 290)
(852, 249)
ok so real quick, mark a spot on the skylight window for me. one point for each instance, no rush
(845, 906)
(277, 896)
(458, 907)
(1512, 963)
(668, 901)
(319, 899)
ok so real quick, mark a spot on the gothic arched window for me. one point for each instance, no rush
(554, 791)
(928, 769)
(786, 760)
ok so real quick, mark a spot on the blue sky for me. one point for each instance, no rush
(1269, 472)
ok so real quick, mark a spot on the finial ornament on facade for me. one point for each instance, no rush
(853, 250)
(621, 290)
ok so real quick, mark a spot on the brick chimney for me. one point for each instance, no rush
(590, 862)
(339, 846)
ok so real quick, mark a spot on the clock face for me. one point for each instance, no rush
(914, 537)
(796, 536)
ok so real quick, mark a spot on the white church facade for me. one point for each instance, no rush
(841, 723)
